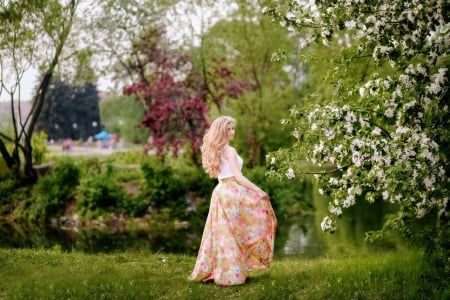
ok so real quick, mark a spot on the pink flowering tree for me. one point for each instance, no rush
(175, 93)
(383, 134)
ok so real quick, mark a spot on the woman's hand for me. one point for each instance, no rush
(261, 193)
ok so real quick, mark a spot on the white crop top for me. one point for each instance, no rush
(225, 169)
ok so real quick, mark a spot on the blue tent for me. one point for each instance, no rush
(103, 135)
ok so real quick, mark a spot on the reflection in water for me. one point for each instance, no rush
(300, 237)
(96, 240)
(302, 240)
(298, 241)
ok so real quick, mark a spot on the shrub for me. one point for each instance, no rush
(53, 191)
(12, 194)
(97, 194)
(164, 188)
(39, 143)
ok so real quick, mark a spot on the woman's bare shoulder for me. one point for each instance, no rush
(229, 150)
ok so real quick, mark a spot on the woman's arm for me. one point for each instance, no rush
(230, 154)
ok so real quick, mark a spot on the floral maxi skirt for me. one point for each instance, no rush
(238, 236)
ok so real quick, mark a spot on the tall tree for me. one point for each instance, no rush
(32, 33)
(111, 27)
(174, 92)
(384, 132)
(70, 111)
(245, 40)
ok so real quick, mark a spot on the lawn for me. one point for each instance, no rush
(53, 274)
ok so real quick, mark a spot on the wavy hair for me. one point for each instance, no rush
(213, 142)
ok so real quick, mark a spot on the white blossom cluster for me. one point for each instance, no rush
(385, 144)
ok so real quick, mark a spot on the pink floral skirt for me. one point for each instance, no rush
(238, 237)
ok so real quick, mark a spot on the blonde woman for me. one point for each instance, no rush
(240, 229)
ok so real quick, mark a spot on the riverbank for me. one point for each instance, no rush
(53, 274)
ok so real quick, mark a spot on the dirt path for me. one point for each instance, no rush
(82, 150)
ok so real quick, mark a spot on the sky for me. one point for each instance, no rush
(28, 82)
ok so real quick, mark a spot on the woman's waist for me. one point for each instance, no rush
(227, 179)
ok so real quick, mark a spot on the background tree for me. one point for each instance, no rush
(32, 33)
(175, 92)
(70, 111)
(383, 132)
(112, 27)
(247, 41)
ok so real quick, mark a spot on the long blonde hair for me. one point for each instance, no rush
(213, 142)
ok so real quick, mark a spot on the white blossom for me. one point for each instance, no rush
(362, 91)
(349, 201)
(350, 24)
(336, 210)
(434, 88)
(389, 112)
(429, 182)
(290, 173)
(333, 181)
(356, 158)
(421, 212)
(376, 131)
(327, 224)
(290, 15)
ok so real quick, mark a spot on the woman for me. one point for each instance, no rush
(240, 229)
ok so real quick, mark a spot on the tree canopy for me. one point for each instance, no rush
(70, 111)
(32, 33)
(382, 135)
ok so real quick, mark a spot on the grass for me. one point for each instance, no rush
(52, 274)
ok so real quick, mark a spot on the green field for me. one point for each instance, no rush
(53, 274)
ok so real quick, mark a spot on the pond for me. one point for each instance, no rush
(300, 236)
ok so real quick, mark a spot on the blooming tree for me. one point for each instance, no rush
(175, 93)
(382, 135)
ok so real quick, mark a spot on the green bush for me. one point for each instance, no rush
(164, 188)
(39, 143)
(54, 191)
(12, 194)
(98, 194)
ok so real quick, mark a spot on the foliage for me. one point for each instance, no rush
(110, 28)
(176, 93)
(32, 33)
(162, 186)
(39, 143)
(54, 191)
(70, 111)
(247, 44)
(384, 130)
(12, 194)
(98, 194)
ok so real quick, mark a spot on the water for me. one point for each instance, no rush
(300, 236)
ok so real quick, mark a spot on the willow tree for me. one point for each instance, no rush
(32, 34)
(382, 135)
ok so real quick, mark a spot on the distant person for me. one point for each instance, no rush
(67, 144)
(240, 228)
(89, 141)
(114, 140)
